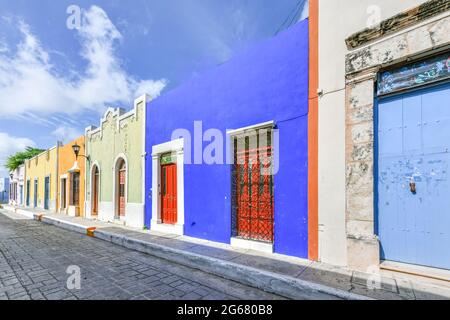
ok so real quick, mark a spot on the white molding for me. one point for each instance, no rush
(115, 182)
(158, 150)
(73, 211)
(56, 176)
(143, 99)
(171, 146)
(61, 178)
(135, 215)
(251, 245)
(106, 211)
(253, 127)
(91, 188)
(86, 152)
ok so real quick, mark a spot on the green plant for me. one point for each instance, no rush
(16, 160)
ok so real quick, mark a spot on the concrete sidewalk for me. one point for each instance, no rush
(290, 277)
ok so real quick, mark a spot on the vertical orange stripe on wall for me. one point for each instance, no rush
(313, 132)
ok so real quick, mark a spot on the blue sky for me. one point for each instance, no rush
(55, 81)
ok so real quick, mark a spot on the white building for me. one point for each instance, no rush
(16, 186)
(4, 190)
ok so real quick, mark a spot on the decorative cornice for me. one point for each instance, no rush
(401, 21)
(118, 115)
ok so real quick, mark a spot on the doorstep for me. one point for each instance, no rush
(252, 245)
(286, 276)
(403, 269)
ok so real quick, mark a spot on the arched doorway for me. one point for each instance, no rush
(95, 190)
(121, 176)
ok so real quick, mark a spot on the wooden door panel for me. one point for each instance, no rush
(169, 194)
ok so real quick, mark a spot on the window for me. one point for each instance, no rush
(75, 189)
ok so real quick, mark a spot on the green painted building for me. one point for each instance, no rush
(115, 165)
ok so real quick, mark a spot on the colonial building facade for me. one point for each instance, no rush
(115, 166)
(41, 180)
(383, 142)
(328, 142)
(71, 175)
(227, 152)
(16, 186)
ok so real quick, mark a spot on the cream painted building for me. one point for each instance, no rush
(337, 21)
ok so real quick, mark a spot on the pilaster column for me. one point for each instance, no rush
(362, 243)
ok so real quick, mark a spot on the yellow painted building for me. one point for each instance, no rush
(41, 174)
(71, 174)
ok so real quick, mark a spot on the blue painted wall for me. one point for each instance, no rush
(4, 190)
(267, 82)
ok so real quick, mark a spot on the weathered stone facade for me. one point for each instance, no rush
(401, 21)
(362, 67)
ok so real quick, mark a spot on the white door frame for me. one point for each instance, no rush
(116, 186)
(61, 181)
(176, 147)
(247, 243)
(91, 173)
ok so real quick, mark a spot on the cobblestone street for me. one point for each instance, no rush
(34, 259)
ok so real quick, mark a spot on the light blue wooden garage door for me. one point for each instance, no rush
(413, 149)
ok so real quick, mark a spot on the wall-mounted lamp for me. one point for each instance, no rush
(76, 149)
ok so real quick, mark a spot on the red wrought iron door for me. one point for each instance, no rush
(253, 195)
(169, 194)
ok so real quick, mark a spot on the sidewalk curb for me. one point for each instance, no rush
(270, 282)
(62, 224)
(23, 212)
(286, 286)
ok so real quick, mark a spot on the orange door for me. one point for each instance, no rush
(169, 194)
(122, 179)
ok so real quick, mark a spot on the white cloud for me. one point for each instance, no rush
(11, 145)
(304, 11)
(30, 83)
(66, 133)
(151, 87)
(3, 47)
